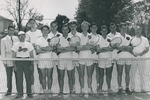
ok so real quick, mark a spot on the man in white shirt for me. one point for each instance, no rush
(65, 64)
(104, 51)
(124, 52)
(6, 45)
(139, 52)
(23, 50)
(31, 36)
(44, 51)
(73, 32)
(85, 52)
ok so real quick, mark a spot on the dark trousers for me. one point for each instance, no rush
(23, 67)
(9, 73)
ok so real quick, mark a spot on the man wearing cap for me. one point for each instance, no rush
(23, 50)
(6, 45)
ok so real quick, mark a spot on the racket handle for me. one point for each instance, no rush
(118, 52)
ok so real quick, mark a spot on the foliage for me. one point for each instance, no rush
(104, 11)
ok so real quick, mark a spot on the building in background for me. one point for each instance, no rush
(4, 23)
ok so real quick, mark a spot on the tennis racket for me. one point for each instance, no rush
(93, 41)
(54, 43)
(135, 42)
(74, 41)
(115, 42)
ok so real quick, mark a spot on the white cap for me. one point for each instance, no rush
(21, 32)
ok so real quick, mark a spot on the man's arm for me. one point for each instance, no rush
(3, 51)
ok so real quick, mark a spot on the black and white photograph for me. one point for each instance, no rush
(74, 49)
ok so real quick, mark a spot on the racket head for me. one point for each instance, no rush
(54, 41)
(93, 41)
(135, 42)
(75, 40)
(115, 42)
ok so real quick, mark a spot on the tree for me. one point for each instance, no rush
(104, 11)
(61, 20)
(19, 9)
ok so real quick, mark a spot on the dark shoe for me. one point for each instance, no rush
(128, 91)
(18, 96)
(29, 96)
(8, 94)
(120, 91)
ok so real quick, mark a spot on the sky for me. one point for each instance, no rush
(49, 8)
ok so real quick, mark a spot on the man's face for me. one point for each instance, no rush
(54, 27)
(22, 37)
(45, 30)
(73, 27)
(93, 28)
(11, 31)
(123, 29)
(32, 24)
(113, 28)
(84, 28)
(65, 30)
(104, 31)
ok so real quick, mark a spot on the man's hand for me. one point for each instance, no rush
(31, 66)
(15, 68)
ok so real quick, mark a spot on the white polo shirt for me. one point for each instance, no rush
(64, 43)
(70, 35)
(42, 42)
(33, 36)
(112, 36)
(125, 42)
(104, 43)
(51, 35)
(94, 41)
(22, 54)
(85, 53)
(144, 44)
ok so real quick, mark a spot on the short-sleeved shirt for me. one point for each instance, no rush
(33, 36)
(104, 43)
(125, 42)
(94, 41)
(42, 42)
(144, 44)
(64, 43)
(51, 35)
(70, 35)
(112, 36)
(22, 45)
(84, 41)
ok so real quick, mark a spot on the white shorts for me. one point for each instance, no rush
(105, 63)
(63, 64)
(55, 62)
(124, 61)
(86, 62)
(45, 64)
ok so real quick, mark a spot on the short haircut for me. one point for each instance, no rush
(31, 19)
(53, 22)
(11, 27)
(104, 27)
(85, 23)
(123, 24)
(72, 22)
(45, 26)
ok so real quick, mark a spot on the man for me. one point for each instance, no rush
(138, 52)
(65, 64)
(95, 38)
(46, 66)
(85, 52)
(23, 50)
(6, 45)
(104, 51)
(73, 32)
(31, 36)
(124, 52)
